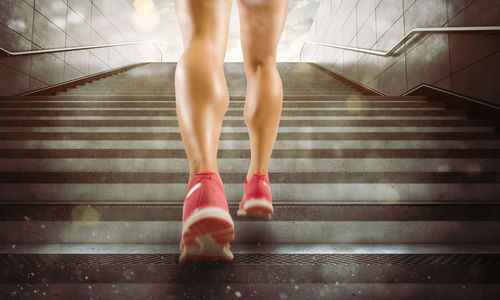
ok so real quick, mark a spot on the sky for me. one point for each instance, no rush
(157, 19)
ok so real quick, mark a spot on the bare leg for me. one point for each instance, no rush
(201, 93)
(262, 23)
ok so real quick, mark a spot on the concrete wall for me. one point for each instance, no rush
(464, 63)
(40, 24)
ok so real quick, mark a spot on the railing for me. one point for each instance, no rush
(54, 50)
(393, 50)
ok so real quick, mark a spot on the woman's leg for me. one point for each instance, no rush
(262, 23)
(201, 93)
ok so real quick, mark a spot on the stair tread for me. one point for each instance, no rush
(302, 97)
(230, 113)
(240, 123)
(305, 211)
(45, 151)
(254, 248)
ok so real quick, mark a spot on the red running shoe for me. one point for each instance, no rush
(257, 200)
(207, 226)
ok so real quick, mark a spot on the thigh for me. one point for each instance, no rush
(261, 25)
(204, 21)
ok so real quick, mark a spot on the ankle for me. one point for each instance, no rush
(191, 174)
(251, 174)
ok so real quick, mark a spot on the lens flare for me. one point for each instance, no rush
(86, 214)
(147, 16)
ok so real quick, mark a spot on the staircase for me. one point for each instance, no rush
(375, 197)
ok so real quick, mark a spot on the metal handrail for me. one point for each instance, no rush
(54, 50)
(406, 38)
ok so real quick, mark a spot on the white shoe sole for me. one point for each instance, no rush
(255, 204)
(210, 237)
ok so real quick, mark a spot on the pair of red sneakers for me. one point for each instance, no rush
(207, 226)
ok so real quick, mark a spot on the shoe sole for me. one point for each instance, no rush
(205, 235)
(256, 208)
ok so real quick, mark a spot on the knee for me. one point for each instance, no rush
(263, 77)
(256, 64)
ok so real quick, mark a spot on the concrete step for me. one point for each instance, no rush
(302, 97)
(123, 88)
(132, 91)
(228, 165)
(231, 112)
(157, 187)
(292, 149)
(118, 81)
(240, 118)
(301, 179)
(240, 95)
(234, 104)
(245, 129)
(333, 224)
(118, 149)
(236, 136)
(262, 250)
(319, 124)
(143, 87)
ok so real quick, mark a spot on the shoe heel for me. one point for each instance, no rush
(207, 237)
(219, 230)
(257, 209)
